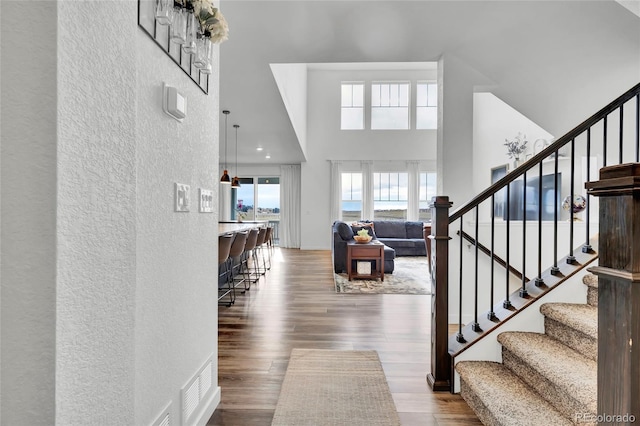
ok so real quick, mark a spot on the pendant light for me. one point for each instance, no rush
(236, 182)
(225, 176)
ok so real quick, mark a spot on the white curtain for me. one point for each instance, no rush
(336, 190)
(290, 196)
(414, 190)
(367, 190)
(224, 196)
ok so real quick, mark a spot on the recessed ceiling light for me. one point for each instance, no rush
(267, 156)
(259, 148)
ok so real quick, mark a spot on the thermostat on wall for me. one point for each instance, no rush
(174, 103)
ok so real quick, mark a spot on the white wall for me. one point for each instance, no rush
(108, 296)
(28, 206)
(291, 80)
(95, 219)
(176, 253)
(327, 142)
(493, 122)
(457, 82)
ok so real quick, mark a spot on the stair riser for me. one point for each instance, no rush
(563, 402)
(592, 296)
(576, 340)
(476, 405)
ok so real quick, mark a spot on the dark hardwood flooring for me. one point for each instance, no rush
(295, 306)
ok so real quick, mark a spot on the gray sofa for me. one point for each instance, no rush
(400, 237)
(405, 237)
(343, 232)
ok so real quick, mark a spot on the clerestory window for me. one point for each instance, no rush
(352, 106)
(390, 106)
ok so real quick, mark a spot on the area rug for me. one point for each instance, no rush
(327, 387)
(410, 276)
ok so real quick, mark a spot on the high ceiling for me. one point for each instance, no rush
(530, 49)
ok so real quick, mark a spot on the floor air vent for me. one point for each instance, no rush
(196, 391)
(191, 398)
(164, 419)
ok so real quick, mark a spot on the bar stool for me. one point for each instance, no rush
(268, 242)
(249, 247)
(225, 287)
(235, 254)
(262, 233)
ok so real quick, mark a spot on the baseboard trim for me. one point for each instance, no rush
(207, 407)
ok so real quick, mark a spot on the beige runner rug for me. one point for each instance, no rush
(326, 387)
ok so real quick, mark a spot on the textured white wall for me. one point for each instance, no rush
(176, 253)
(108, 296)
(28, 205)
(96, 213)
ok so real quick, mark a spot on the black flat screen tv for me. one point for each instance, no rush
(518, 206)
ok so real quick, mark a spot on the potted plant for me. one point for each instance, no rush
(516, 147)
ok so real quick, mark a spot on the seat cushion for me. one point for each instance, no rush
(389, 253)
(398, 242)
(390, 229)
(414, 229)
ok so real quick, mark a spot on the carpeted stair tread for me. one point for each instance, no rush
(499, 397)
(581, 317)
(574, 325)
(590, 280)
(568, 371)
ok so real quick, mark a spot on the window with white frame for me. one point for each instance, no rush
(427, 191)
(352, 106)
(390, 195)
(426, 105)
(390, 106)
(351, 196)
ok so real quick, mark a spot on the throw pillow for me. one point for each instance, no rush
(344, 231)
(362, 224)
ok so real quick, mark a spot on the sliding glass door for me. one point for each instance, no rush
(258, 198)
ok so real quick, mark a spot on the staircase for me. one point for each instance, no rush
(548, 378)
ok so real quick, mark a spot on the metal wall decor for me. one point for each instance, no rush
(174, 31)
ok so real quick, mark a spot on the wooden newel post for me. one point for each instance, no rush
(439, 378)
(618, 293)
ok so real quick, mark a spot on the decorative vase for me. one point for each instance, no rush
(516, 162)
(576, 206)
(164, 12)
(203, 52)
(189, 45)
(178, 29)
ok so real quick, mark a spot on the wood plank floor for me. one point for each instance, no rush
(295, 306)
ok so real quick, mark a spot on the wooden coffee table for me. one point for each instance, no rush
(373, 250)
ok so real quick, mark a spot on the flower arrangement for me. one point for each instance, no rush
(212, 23)
(517, 146)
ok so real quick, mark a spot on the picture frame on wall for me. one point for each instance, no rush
(498, 173)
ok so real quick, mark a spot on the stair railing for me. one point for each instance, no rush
(531, 198)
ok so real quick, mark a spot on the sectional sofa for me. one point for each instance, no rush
(401, 238)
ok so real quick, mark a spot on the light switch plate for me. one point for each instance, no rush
(182, 197)
(206, 200)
